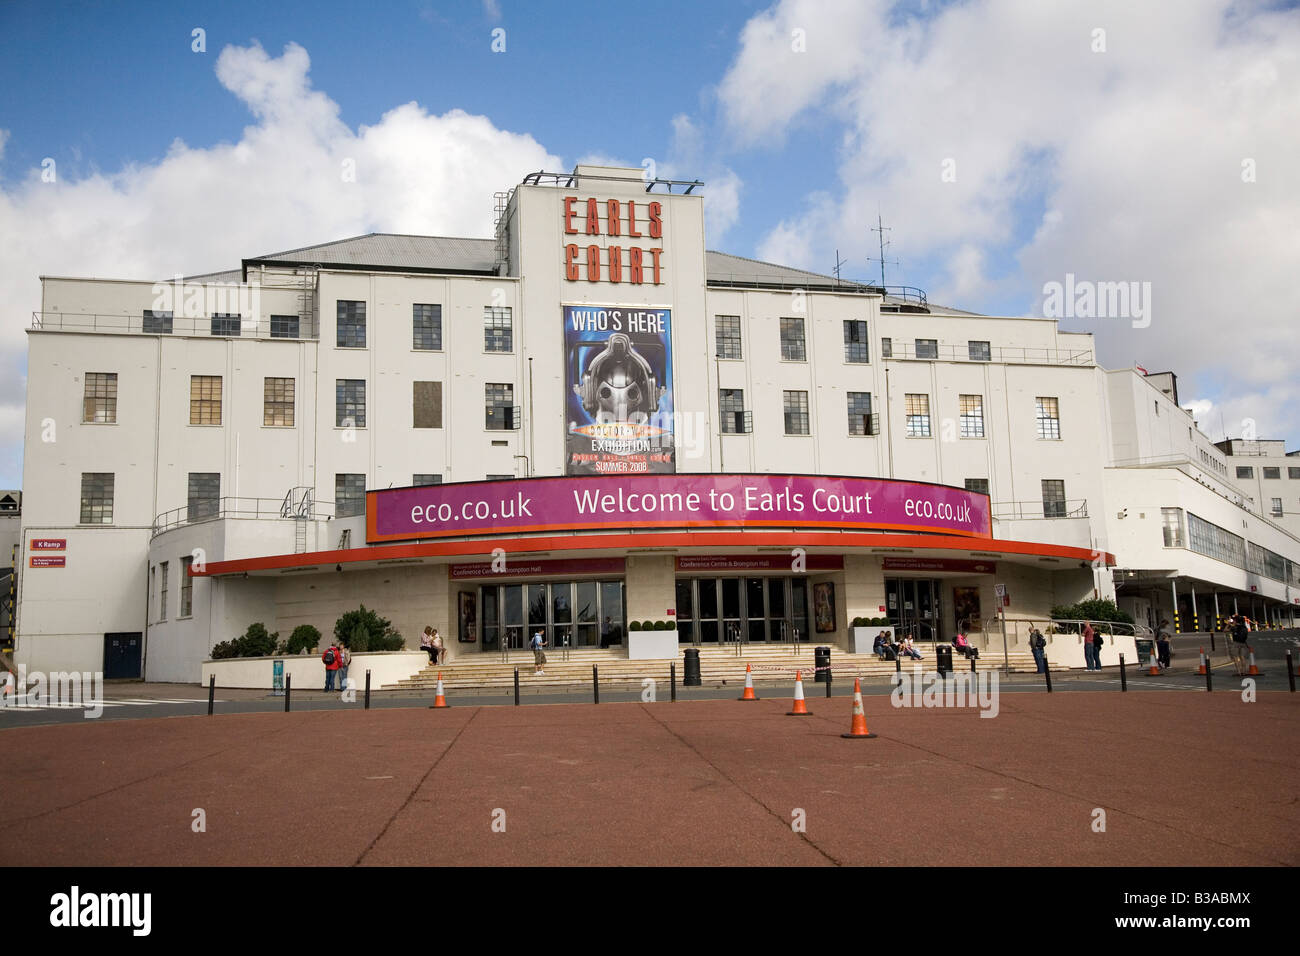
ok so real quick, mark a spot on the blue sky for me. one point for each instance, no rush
(1097, 138)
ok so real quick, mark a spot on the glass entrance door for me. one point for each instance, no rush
(714, 610)
(914, 607)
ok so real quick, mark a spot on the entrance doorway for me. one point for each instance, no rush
(914, 606)
(722, 610)
(122, 655)
(568, 613)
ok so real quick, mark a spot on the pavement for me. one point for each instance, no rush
(1181, 779)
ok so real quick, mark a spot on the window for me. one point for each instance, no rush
(731, 409)
(979, 351)
(497, 334)
(917, 408)
(350, 402)
(284, 326)
(1276, 510)
(427, 404)
(351, 324)
(728, 336)
(796, 412)
(792, 341)
(96, 497)
(1272, 472)
(886, 348)
(927, 348)
(100, 403)
(499, 400)
(187, 588)
(277, 401)
(157, 323)
(855, 341)
(1245, 471)
(204, 499)
(1293, 472)
(162, 591)
(861, 421)
(205, 399)
(349, 495)
(426, 327)
(1049, 418)
(1215, 542)
(972, 415)
(499, 477)
(225, 323)
(421, 481)
(1172, 521)
(978, 484)
(1053, 498)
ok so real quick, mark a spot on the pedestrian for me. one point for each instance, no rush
(1098, 642)
(606, 632)
(1089, 648)
(1038, 644)
(439, 649)
(331, 661)
(345, 658)
(1240, 635)
(426, 645)
(539, 656)
(1163, 637)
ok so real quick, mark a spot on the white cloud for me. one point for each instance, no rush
(1117, 165)
(281, 185)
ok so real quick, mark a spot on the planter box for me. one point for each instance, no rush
(652, 645)
(862, 639)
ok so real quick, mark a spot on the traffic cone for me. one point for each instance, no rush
(1201, 669)
(1154, 671)
(439, 700)
(749, 684)
(1254, 671)
(800, 707)
(858, 729)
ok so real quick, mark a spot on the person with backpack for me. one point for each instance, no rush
(1038, 644)
(539, 656)
(1098, 642)
(1163, 655)
(331, 660)
(1240, 637)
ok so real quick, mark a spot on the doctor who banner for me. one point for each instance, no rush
(619, 406)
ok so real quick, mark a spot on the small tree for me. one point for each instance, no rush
(303, 638)
(256, 642)
(379, 633)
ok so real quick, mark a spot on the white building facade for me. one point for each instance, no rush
(286, 441)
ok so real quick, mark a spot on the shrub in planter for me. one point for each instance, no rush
(634, 625)
(256, 642)
(665, 626)
(379, 633)
(223, 650)
(863, 622)
(647, 625)
(303, 638)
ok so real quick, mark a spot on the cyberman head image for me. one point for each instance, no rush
(618, 385)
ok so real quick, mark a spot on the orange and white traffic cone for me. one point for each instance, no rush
(1254, 671)
(749, 684)
(1201, 669)
(439, 697)
(1154, 670)
(800, 708)
(858, 729)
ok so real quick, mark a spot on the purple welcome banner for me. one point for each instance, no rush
(672, 501)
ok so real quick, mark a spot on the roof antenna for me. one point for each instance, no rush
(838, 263)
(881, 228)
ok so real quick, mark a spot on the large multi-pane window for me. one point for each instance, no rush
(162, 591)
(728, 336)
(796, 412)
(793, 348)
(422, 480)
(350, 402)
(157, 323)
(100, 404)
(187, 588)
(927, 348)
(205, 399)
(917, 409)
(284, 326)
(1049, 417)
(96, 497)
(731, 408)
(498, 335)
(426, 327)
(1053, 498)
(225, 323)
(971, 408)
(1171, 519)
(277, 401)
(349, 495)
(979, 351)
(499, 406)
(350, 324)
(204, 497)
(860, 422)
(978, 484)
(426, 404)
(1215, 542)
(855, 341)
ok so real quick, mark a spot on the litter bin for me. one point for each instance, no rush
(822, 661)
(943, 659)
(691, 668)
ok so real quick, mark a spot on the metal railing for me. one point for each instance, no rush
(1007, 355)
(176, 325)
(1018, 630)
(1068, 508)
(235, 508)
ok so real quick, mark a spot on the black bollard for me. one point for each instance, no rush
(1211, 642)
(367, 688)
(1209, 677)
(898, 663)
(1290, 672)
(1123, 674)
(595, 685)
(288, 689)
(212, 687)
(1047, 673)
(516, 686)
(672, 680)
(828, 683)
(973, 659)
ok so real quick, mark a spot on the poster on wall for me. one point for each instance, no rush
(619, 384)
(467, 630)
(824, 607)
(966, 609)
